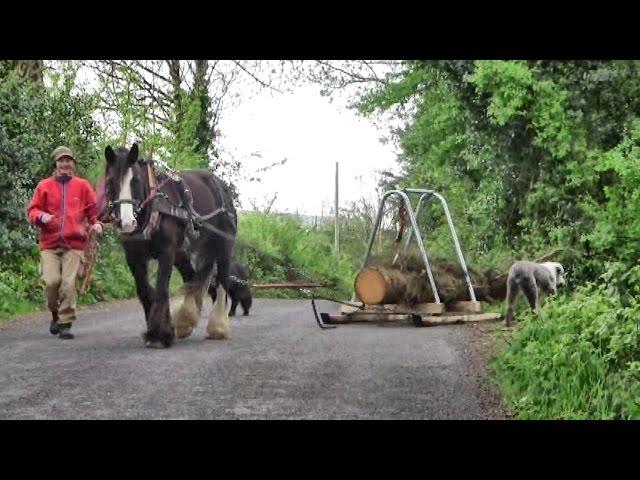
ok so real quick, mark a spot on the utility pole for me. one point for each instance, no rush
(337, 230)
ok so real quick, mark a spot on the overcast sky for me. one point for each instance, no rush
(312, 134)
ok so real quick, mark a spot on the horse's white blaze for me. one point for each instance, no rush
(218, 326)
(127, 220)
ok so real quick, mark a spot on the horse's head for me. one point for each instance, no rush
(123, 185)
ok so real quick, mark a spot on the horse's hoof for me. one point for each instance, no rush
(184, 333)
(155, 344)
(217, 336)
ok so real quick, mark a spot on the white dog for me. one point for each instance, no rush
(534, 279)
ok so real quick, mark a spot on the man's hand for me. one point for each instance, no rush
(97, 227)
(45, 217)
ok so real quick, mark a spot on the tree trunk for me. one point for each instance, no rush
(32, 70)
(176, 85)
(204, 129)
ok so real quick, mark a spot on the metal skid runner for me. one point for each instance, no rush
(423, 314)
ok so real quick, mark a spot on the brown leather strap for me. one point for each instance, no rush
(153, 182)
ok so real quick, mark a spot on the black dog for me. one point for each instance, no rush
(239, 290)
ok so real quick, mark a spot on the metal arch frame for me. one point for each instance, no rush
(424, 194)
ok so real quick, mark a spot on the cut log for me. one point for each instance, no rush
(383, 285)
(489, 284)
(376, 286)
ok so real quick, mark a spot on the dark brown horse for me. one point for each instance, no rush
(187, 220)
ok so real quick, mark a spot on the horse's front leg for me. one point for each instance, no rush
(146, 293)
(160, 333)
(185, 318)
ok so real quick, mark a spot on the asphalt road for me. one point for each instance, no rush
(277, 365)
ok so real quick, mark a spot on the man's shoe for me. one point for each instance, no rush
(65, 331)
(54, 328)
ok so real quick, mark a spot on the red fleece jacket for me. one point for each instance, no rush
(73, 206)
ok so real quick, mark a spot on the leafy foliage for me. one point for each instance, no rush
(532, 156)
(579, 359)
(33, 121)
(279, 249)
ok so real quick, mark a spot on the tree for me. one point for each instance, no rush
(174, 105)
(518, 147)
(33, 121)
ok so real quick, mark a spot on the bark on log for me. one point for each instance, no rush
(377, 285)
(405, 281)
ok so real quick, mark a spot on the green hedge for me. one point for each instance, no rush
(581, 358)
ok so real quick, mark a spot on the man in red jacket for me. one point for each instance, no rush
(64, 208)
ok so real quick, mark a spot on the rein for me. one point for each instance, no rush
(153, 184)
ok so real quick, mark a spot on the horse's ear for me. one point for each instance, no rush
(133, 154)
(109, 154)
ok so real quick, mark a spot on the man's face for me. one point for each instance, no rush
(65, 165)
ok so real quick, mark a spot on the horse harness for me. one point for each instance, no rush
(160, 203)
